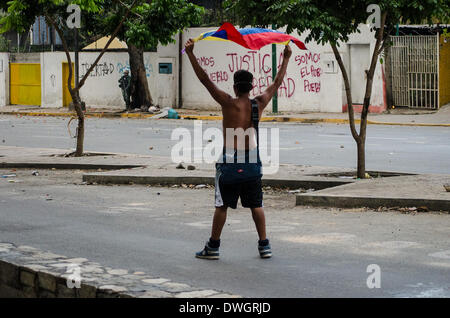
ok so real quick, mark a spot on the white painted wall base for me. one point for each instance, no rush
(4, 79)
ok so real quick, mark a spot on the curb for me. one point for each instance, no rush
(199, 117)
(307, 183)
(370, 202)
(63, 166)
(87, 115)
(28, 272)
(18, 281)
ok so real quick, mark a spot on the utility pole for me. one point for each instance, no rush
(274, 74)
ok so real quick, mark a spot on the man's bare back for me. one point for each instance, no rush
(237, 110)
(237, 114)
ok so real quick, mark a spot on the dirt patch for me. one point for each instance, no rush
(43, 177)
(85, 154)
(352, 174)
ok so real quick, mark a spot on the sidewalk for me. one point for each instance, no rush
(313, 185)
(405, 117)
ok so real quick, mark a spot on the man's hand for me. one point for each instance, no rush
(189, 46)
(287, 52)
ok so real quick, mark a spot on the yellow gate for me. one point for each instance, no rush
(444, 70)
(25, 83)
(67, 99)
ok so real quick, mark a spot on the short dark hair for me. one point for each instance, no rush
(243, 81)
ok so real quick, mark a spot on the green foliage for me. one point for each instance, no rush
(20, 14)
(150, 22)
(445, 33)
(4, 44)
(332, 20)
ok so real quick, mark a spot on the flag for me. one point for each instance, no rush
(250, 38)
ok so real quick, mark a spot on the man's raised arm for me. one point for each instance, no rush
(219, 96)
(265, 97)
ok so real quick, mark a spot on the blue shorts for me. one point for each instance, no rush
(227, 195)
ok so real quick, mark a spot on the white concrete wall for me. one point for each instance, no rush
(167, 53)
(51, 78)
(102, 87)
(4, 79)
(313, 80)
(365, 37)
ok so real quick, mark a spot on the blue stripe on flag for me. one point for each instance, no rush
(256, 30)
(217, 34)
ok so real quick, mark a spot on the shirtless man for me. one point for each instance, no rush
(237, 114)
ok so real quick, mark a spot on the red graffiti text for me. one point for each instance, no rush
(252, 62)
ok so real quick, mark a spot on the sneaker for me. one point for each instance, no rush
(265, 251)
(208, 252)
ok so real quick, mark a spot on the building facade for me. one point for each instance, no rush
(313, 82)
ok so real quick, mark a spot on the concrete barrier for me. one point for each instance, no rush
(18, 281)
(370, 202)
(304, 183)
(27, 272)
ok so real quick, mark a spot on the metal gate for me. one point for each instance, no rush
(67, 98)
(25, 83)
(415, 71)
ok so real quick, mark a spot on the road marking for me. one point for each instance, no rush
(59, 137)
(386, 138)
(139, 203)
(323, 238)
(335, 136)
(424, 291)
(270, 229)
(207, 224)
(442, 254)
(392, 244)
(128, 208)
(289, 148)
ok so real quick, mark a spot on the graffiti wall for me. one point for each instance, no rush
(302, 87)
(313, 81)
(102, 87)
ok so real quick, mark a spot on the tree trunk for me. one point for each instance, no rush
(388, 74)
(360, 142)
(140, 93)
(80, 137)
(361, 146)
(366, 103)
(80, 129)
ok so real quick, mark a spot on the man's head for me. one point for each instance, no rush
(125, 73)
(243, 82)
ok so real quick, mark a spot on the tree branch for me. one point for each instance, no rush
(369, 82)
(386, 37)
(348, 92)
(113, 36)
(73, 92)
(125, 6)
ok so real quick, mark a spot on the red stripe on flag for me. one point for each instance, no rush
(255, 41)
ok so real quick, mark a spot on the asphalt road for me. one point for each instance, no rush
(388, 148)
(317, 252)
